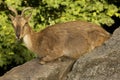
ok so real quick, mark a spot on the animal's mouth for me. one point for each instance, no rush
(19, 39)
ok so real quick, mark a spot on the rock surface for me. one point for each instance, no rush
(32, 70)
(103, 63)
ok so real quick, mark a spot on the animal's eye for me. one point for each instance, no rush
(25, 24)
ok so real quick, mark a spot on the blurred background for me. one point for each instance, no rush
(48, 12)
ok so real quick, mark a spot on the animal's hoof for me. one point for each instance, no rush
(42, 62)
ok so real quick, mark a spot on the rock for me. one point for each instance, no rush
(103, 63)
(32, 70)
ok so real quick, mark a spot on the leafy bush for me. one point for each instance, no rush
(49, 12)
(96, 11)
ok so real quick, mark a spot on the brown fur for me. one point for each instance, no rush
(71, 39)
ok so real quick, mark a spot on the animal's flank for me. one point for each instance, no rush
(71, 39)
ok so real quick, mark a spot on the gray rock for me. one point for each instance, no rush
(32, 70)
(103, 63)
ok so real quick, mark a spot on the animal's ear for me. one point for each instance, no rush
(11, 17)
(29, 15)
(14, 11)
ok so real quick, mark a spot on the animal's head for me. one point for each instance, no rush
(20, 22)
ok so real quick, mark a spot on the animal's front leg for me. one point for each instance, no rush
(51, 57)
(46, 59)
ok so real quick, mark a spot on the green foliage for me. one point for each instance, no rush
(49, 12)
(99, 12)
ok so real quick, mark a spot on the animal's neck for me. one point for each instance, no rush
(31, 38)
(27, 39)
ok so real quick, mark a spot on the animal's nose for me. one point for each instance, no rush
(18, 36)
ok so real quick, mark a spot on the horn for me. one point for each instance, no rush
(28, 8)
(13, 10)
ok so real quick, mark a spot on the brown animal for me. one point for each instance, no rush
(70, 39)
